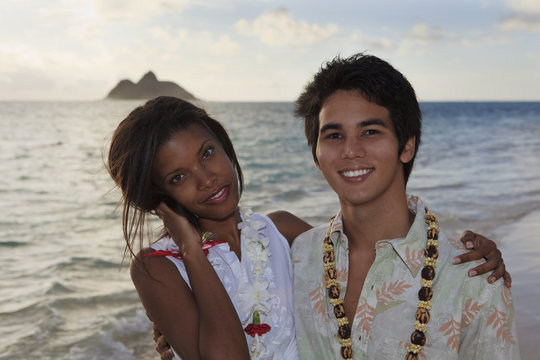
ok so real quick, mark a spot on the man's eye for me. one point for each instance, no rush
(371, 132)
(334, 136)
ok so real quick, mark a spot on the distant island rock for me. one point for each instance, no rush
(148, 88)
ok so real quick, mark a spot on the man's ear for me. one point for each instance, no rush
(315, 160)
(408, 150)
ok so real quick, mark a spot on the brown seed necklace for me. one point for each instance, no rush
(418, 337)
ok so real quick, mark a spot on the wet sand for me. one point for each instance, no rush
(520, 244)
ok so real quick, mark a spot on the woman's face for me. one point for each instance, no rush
(194, 170)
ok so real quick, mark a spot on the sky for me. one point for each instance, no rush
(248, 50)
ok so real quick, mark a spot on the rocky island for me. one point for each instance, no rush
(147, 88)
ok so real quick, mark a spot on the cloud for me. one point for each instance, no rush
(524, 15)
(532, 6)
(521, 22)
(25, 83)
(374, 43)
(30, 73)
(132, 9)
(278, 28)
(425, 34)
(91, 18)
(224, 45)
(188, 40)
(13, 54)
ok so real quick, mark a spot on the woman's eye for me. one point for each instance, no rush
(176, 178)
(208, 152)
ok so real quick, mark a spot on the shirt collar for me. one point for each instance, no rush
(410, 249)
(336, 229)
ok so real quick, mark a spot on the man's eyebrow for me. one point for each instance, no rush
(330, 126)
(374, 121)
(363, 123)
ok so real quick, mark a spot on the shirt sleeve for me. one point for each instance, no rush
(488, 330)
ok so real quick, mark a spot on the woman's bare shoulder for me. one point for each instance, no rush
(289, 225)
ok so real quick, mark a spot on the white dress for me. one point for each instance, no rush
(262, 281)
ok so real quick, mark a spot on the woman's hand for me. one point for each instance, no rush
(184, 234)
(482, 247)
(199, 320)
(162, 347)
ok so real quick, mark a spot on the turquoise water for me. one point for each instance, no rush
(63, 294)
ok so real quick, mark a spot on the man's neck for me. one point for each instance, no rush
(384, 219)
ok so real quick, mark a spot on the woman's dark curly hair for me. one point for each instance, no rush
(134, 145)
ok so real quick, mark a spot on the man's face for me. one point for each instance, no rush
(357, 149)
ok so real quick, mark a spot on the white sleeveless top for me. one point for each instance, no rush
(262, 281)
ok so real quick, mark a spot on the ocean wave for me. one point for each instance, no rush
(84, 263)
(292, 195)
(12, 244)
(124, 337)
(31, 331)
(57, 288)
(108, 299)
(435, 186)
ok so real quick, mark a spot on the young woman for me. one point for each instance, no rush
(233, 298)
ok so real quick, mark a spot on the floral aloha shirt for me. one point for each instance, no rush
(470, 318)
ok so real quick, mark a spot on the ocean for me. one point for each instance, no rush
(64, 293)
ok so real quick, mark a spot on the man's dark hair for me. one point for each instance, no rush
(374, 79)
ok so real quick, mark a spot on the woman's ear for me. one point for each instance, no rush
(408, 150)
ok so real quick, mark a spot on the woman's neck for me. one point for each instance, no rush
(225, 229)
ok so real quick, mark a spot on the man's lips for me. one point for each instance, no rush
(355, 174)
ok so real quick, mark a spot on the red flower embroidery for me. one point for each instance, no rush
(257, 329)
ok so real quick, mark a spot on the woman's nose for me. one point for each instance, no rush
(206, 178)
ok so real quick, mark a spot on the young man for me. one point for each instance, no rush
(378, 281)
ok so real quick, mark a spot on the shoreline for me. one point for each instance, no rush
(521, 251)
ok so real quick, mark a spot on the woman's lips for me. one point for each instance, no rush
(218, 197)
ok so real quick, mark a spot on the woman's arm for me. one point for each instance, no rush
(483, 248)
(287, 224)
(168, 302)
(197, 323)
(480, 247)
(291, 226)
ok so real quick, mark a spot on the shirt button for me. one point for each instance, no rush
(360, 338)
(371, 286)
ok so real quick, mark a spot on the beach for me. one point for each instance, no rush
(64, 293)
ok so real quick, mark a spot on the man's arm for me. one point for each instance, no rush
(488, 329)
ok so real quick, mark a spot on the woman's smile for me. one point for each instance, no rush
(193, 168)
(218, 197)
